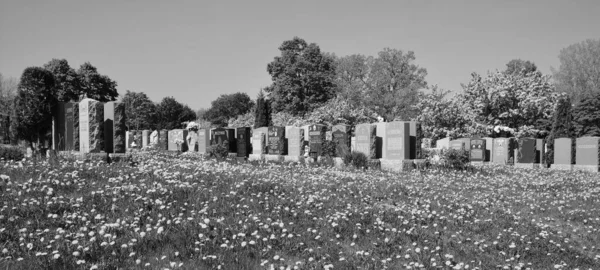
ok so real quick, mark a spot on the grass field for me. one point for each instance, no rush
(187, 212)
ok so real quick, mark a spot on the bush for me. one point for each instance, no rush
(11, 153)
(219, 150)
(328, 148)
(455, 159)
(357, 159)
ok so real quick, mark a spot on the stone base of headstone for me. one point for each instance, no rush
(561, 167)
(298, 159)
(240, 159)
(232, 155)
(527, 165)
(256, 157)
(587, 168)
(400, 165)
(274, 158)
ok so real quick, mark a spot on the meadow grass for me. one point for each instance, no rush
(188, 212)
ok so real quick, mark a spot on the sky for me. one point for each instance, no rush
(196, 51)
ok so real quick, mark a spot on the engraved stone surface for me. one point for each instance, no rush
(177, 140)
(91, 126)
(203, 139)
(503, 150)
(295, 141)
(341, 134)
(243, 141)
(259, 140)
(397, 140)
(114, 127)
(365, 140)
(316, 137)
(276, 140)
(163, 139)
(563, 148)
(478, 150)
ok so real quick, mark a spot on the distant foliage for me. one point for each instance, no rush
(578, 74)
(303, 77)
(283, 119)
(68, 81)
(586, 117)
(35, 101)
(262, 113)
(228, 106)
(442, 117)
(518, 66)
(95, 85)
(244, 120)
(340, 111)
(172, 114)
(140, 110)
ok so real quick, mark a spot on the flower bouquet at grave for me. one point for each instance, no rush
(179, 142)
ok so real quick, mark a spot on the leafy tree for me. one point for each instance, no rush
(67, 80)
(172, 114)
(562, 126)
(520, 66)
(523, 102)
(340, 111)
(140, 111)
(243, 120)
(389, 83)
(262, 112)
(200, 113)
(442, 117)
(303, 77)
(34, 104)
(228, 106)
(586, 117)
(8, 90)
(578, 74)
(96, 86)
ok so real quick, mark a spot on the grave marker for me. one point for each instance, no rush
(478, 150)
(316, 137)
(503, 150)
(58, 127)
(178, 137)
(243, 141)
(489, 148)
(295, 141)
(457, 145)
(397, 140)
(563, 154)
(365, 140)
(416, 138)
(380, 142)
(91, 126)
(341, 134)
(587, 153)
(220, 135)
(114, 127)
(276, 140)
(259, 140)
(145, 138)
(163, 139)
(443, 143)
(203, 139)
(526, 151)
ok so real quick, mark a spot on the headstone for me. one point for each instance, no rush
(365, 140)
(91, 126)
(467, 142)
(114, 127)
(341, 134)
(457, 145)
(478, 150)
(192, 140)
(220, 135)
(73, 117)
(259, 140)
(295, 141)
(587, 153)
(380, 142)
(163, 139)
(416, 137)
(145, 138)
(177, 140)
(443, 143)
(276, 140)
(154, 138)
(563, 148)
(243, 141)
(58, 127)
(503, 150)
(203, 139)
(397, 140)
(540, 151)
(134, 139)
(489, 149)
(316, 137)
(526, 150)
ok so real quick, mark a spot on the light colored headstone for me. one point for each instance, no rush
(192, 140)
(443, 143)
(366, 140)
(203, 139)
(397, 141)
(587, 154)
(295, 140)
(176, 136)
(503, 150)
(91, 121)
(154, 137)
(259, 140)
(114, 127)
(145, 138)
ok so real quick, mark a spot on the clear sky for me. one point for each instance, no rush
(198, 50)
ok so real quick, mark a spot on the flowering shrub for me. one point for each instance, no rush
(219, 150)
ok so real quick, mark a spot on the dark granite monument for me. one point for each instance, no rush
(341, 134)
(478, 151)
(316, 137)
(243, 141)
(114, 127)
(276, 140)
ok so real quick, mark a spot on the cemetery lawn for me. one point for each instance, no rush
(187, 212)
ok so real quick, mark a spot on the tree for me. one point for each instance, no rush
(523, 102)
(140, 111)
(67, 80)
(586, 117)
(442, 117)
(562, 126)
(340, 111)
(389, 84)
(303, 77)
(172, 114)
(520, 66)
(95, 85)
(8, 91)
(578, 74)
(262, 112)
(228, 106)
(34, 104)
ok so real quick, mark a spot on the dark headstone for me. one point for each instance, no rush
(380, 142)
(91, 126)
(59, 127)
(220, 135)
(243, 141)
(203, 139)
(416, 137)
(503, 150)
(540, 151)
(76, 136)
(365, 140)
(295, 141)
(489, 148)
(114, 127)
(478, 150)
(526, 150)
(177, 140)
(276, 141)
(341, 134)
(397, 137)
(587, 151)
(163, 139)
(316, 137)
(563, 148)
(259, 140)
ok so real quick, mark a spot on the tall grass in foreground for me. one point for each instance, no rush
(188, 212)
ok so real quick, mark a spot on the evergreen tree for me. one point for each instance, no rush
(586, 117)
(262, 112)
(562, 127)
